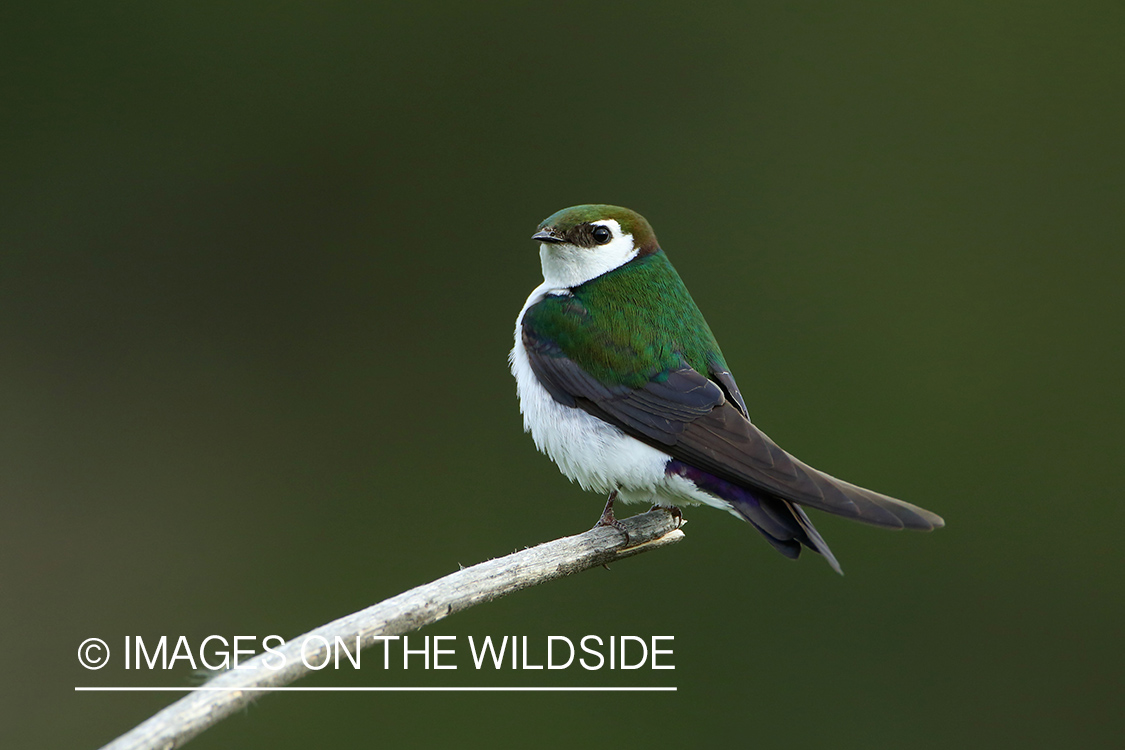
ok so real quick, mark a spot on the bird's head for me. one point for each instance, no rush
(583, 242)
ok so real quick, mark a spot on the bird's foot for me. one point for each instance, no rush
(608, 519)
(677, 514)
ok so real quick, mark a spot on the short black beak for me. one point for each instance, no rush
(548, 236)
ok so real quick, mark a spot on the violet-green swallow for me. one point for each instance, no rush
(622, 384)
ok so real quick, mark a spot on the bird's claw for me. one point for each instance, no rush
(674, 511)
(608, 519)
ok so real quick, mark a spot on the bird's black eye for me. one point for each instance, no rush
(602, 235)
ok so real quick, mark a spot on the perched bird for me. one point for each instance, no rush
(622, 384)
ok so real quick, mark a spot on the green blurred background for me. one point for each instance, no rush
(261, 265)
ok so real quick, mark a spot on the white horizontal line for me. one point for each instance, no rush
(380, 689)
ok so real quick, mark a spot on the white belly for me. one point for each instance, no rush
(595, 454)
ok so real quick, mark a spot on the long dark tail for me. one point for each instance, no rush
(783, 524)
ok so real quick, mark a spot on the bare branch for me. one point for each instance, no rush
(233, 689)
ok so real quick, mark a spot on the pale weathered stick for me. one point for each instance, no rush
(233, 689)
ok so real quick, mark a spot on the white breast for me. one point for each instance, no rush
(597, 455)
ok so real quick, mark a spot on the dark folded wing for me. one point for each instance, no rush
(694, 419)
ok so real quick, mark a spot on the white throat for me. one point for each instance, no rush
(566, 266)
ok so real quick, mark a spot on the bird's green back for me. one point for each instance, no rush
(629, 326)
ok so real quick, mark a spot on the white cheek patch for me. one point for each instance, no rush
(566, 266)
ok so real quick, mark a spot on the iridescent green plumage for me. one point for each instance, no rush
(622, 383)
(629, 326)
